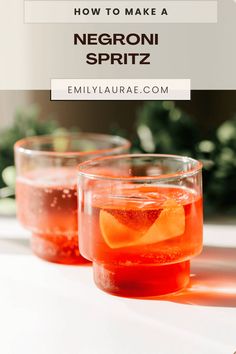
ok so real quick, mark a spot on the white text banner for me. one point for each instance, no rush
(118, 89)
(121, 11)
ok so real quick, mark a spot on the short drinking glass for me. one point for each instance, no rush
(140, 221)
(47, 193)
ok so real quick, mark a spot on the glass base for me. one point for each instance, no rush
(141, 280)
(57, 249)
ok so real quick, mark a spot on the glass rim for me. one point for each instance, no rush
(21, 145)
(163, 177)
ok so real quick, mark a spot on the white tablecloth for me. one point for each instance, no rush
(52, 309)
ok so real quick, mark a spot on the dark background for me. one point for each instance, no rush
(209, 108)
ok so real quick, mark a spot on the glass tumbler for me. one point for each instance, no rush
(140, 221)
(46, 189)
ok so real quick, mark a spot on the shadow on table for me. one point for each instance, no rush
(213, 279)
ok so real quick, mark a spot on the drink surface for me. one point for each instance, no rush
(142, 225)
(47, 206)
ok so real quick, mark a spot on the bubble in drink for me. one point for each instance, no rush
(47, 206)
(145, 226)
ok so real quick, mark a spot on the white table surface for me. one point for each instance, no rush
(53, 309)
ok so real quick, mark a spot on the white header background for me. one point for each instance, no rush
(33, 54)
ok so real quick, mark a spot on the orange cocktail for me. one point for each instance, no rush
(47, 202)
(46, 189)
(140, 232)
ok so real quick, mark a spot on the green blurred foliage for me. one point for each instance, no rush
(25, 124)
(161, 127)
(164, 128)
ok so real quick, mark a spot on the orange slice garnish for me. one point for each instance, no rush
(116, 234)
(170, 223)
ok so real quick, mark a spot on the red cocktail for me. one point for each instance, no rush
(140, 231)
(47, 193)
(48, 207)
